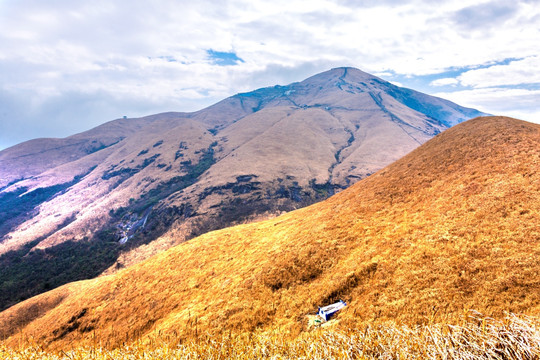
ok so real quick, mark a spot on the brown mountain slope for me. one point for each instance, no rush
(450, 227)
(165, 178)
(33, 157)
(289, 145)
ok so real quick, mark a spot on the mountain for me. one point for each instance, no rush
(112, 196)
(450, 227)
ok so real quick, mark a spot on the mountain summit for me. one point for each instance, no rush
(114, 195)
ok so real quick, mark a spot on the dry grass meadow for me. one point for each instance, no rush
(453, 226)
(475, 337)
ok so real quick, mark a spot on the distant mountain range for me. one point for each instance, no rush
(450, 227)
(112, 196)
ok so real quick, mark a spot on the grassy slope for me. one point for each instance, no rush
(451, 226)
(473, 339)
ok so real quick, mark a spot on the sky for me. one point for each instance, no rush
(69, 65)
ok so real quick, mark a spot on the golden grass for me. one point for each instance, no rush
(452, 226)
(476, 338)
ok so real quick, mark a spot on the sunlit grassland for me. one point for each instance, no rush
(452, 226)
(475, 337)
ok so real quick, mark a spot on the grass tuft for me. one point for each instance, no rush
(476, 337)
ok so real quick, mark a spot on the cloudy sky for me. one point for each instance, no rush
(69, 65)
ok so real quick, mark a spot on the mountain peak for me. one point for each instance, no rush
(340, 75)
(350, 71)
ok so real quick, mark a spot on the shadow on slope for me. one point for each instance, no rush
(18, 206)
(25, 272)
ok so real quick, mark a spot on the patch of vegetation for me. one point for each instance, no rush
(125, 173)
(245, 188)
(145, 151)
(241, 186)
(149, 160)
(17, 206)
(11, 183)
(245, 178)
(159, 220)
(178, 154)
(95, 147)
(26, 272)
(177, 183)
(182, 146)
(323, 191)
(238, 208)
(14, 209)
(337, 155)
(158, 143)
(184, 165)
(293, 192)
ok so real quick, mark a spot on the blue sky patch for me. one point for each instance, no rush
(223, 58)
(167, 58)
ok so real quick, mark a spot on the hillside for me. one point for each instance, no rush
(110, 197)
(450, 227)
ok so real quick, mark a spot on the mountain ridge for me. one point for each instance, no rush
(250, 156)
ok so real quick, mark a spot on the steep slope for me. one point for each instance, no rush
(450, 227)
(156, 181)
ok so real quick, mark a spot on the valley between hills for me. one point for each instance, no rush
(219, 234)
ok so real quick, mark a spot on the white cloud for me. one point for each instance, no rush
(518, 103)
(517, 72)
(444, 82)
(51, 52)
